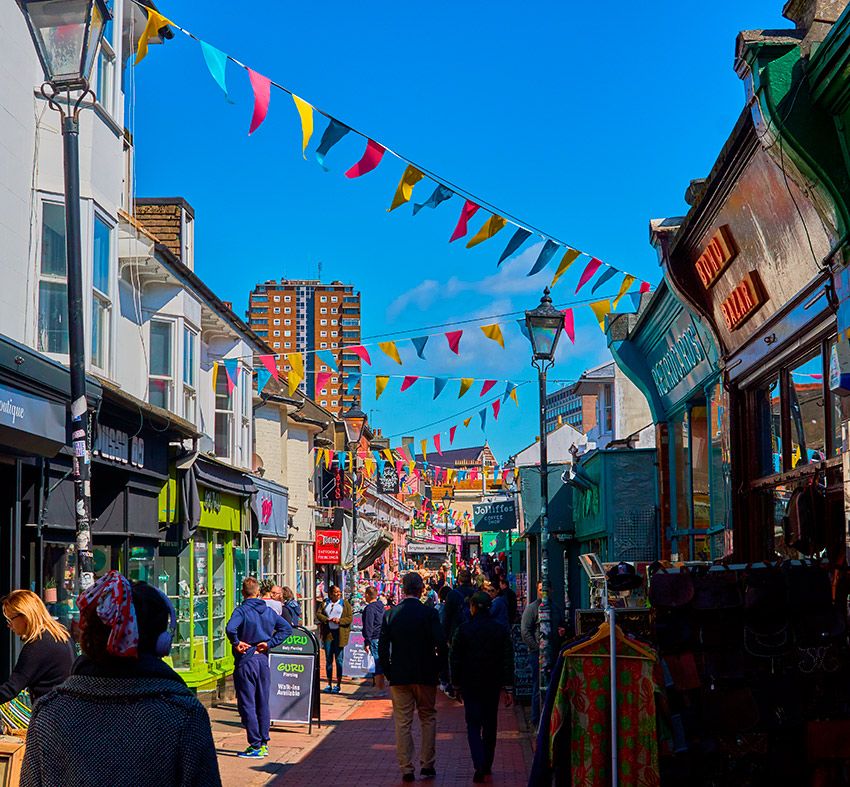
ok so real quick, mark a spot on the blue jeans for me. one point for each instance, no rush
(481, 709)
(333, 653)
(373, 649)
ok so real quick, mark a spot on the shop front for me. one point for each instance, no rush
(270, 529)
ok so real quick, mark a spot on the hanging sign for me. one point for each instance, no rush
(491, 517)
(388, 480)
(328, 547)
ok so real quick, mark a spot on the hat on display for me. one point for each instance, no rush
(623, 577)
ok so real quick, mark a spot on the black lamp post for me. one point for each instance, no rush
(544, 324)
(67, 34)
(448, 496)
(355, 422)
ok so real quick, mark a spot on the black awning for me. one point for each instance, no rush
(222, 477)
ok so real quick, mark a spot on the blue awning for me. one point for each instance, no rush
(270, 508)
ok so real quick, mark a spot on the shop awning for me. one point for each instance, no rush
(269, 508)
(225, 478)
(372, 541)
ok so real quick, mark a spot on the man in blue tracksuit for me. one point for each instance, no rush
(254, 628)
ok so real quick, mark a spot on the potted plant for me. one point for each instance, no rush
(50, 591)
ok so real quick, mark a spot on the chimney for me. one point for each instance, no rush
(815, 17)
(171, 220)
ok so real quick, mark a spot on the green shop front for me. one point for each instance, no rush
(202, 565)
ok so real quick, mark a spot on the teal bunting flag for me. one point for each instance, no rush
(341, 459)
(508, 389)
(483, 415)
(333, 134)
(440, 195)
(545, 257)
(328, 358)
(263, 377)
(520, 237)
(439, 384)
(523, 327)
(419, 343)
(608, 274)
(230, 366)
(216, 61)
(635, 296)
(379, 461)
(351, 384)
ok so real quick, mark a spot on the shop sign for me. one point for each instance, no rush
(388, 480)
(117, 446)
(32, 414)
(425, 548)
(212, 500)
(839, 367)
(492, 517)
(291, 690)
(355, 659)
(682, 356)
(718, 254)
(743, 302)
(329, 547)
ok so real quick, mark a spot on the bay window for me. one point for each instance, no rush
(161, 377)
(190, 353)
(53, 281)
(101, 300)
(223, 417)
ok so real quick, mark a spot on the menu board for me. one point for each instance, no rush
(355, 658)
(522, 664)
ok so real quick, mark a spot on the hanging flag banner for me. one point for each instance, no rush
(263, 377)
(628, 280)
(333, 134)
(635, 296)
(305, 113)
(569, 325)
(519, 237)
(214, 376)
(490, 227)
(380, 384)
(231, 369)
(440, 195)
(328, 359)
(437, 444)
(509, 388)
(439, 384)
(494, 332)
(404, 190)
(270, 363)
(387, 480)
(545, 256)
(466, 422)
(361, 352)
(452, 434)
(468, 210)
(424, 444)
(453, 338)
(591, 268)
(262, 87)
(321, 381)
(296, 373)
(570, 256)
(371, 158)
(390, 350)
(600, 310)
(155, 23)
(465, 385)
(216, 61)
(645, 287)
(606, 276)
(497, 405)
(407, 382)
(488, 384)
(351, 383)
(482, 414)
(419, 343)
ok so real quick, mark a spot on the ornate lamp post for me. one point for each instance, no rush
(67, 34)
(355, 422)
(545, 324)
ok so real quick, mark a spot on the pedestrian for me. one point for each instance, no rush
(267, 594)
(457, 604)
(412, 651)
(498, 607)
(291, 605)
(334, 617)
(430, 597)
(530, 631)
(508, 594)
(123, 718)
(373, 617)
(47, 655)
(253, 629)
(482, 665)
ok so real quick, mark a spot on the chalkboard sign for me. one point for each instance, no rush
(492, 517)
(522, 664)
(291, 693)
(354, 656)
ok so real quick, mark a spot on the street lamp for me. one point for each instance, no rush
(544, 324)
(448, 495)
(67, 34)
(355, 422)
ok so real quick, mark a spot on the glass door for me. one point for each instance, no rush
(219, 596)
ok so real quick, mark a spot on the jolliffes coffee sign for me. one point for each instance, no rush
(329, 547)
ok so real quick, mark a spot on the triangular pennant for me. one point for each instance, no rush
(523, 328)
(569, 325)
(328, 358)
(628, 280)
(262, 88)
(361, 352)
(380, 462)
(424, 444)
(439, 196)
(482, 414)
(419, 343)
(407, 382)
(155, 23)
(465, 385)
(296, 374)
(439, 384)
(388, 454)
(610, 273)
(390, 350)
(635, 296)
(468, 210)
(437, 444)
(371, 158)
(404, 190)
(214, 375)
(263, 377)
(452, 434)
(466, 422)
(543, 259)
(333, 134)
(513, 395)
(380, 384)
(600, 310)
(216, 61)
(570, 256)
(494, 332)
(490, 227)
(351, 382)
(591, 268)
(453, 338)
(231, 368)
(488, 385)
(305, 112)
(321, 381)
(518, 238)
(270, 362)
(319, 456)
(645, 287)
(497, 405)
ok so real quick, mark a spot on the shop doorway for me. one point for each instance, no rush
(10, 552)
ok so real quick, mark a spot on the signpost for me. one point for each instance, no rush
(294, 694)
(492, 517)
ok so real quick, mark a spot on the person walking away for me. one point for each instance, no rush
(334, 617)
(530, 631)
(373, 617)
(123, 718)
(457, 604)
(508, 594)
(498, 607)
(430, 597)
(253, 629)
(412, 651)
(482, 665)
(291, 605)
(267, 594)
(47, 655)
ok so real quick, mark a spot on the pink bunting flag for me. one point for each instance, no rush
(399, 466)
(497, 405)
(321, 381)
(437, 444)
(488, 384)
(371, 158)
(262, 87)
(361, 352)
(230, 384)
(407, 382)
(453, 338)
(569, 325)
(466, 213)
(591, 268)
(452, 434)
(644, 287)
(271, 366)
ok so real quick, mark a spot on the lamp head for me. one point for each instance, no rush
(355, 421)
(545, 325)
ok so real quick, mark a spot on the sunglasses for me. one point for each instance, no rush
(9, 620)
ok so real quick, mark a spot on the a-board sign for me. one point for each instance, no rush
(495, 516)
(354, 656)
(292, 687)
(522, 664)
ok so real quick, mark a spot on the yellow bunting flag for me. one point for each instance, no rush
(318, 456)
(624, 288)
(568, 259)
(465, 385)
(466, 422)
(424, 444)
(390, 350)
(411, 466)
(513, 396)
(155, 23)
(494, 332)
(369, 466)
(215, 375)
(305, 111)
(389, 454)
(380, 384)
(449, 474)
(404, 192)
(600, 310)
(487, 231)
(296, 375)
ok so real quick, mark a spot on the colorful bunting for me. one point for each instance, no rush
(351, 382)
(569, 325)
(635, 296)
(380, 384)
(510, 391)
(452, 434)
(466, 422)
(494, 332)
(628, 280)
(424, 444)
(407, 382)
(214, 376)
(155, 23)
(321, 381)
(404, 190)
(453, 338)
(333, 134)
(439, 384)
(523, 327)
(468, 210)
(543, 259)
(440, 195)
(606, 275)
(231, 369)
(391, 351)
(327, 358)
(591, 268)
(600, 310)
(465, 385)
(270, 362)
(296, 373)
(497, 405)
(490, 227)
(262, 88)
(570, 256)
(487, 386)
(482, 414)
(419, 343)
(263, 377)
(519, 237)
(371, 158)
(305, 112)
(216, 61)
(437, 444)
(645, 287)
(361, 352)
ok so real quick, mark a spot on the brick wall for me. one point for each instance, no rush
(164, 222)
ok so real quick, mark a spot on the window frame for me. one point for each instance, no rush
(191, 338)
(168, 379)
(100, 299)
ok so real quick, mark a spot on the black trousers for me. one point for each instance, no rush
(482, 714)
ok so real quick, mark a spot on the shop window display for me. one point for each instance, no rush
(807, 412)
(201, 600)
(720, 485)
(246, 563)
(219, 596)
(174, 580)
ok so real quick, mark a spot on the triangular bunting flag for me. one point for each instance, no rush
(371, 158)
(404, 191)
(437, 444)
(351, 382)
(494, 332)
(216, 61)
(333, 134)
(497, 405)
(519, 237)
(513, 395)
(231, 368)
(327, 358)
(453, 338)
(321, 381)
(523, 328)
(305, 112)
(439, 384)
(262, 88)
(644, 287)
(466, 213)
(606, 275)
(570, 256)
(635, 296)
(482, 414)
(379, 461)
(628, 280)
(424, 444)
(390, 350)
(600, 310)
(263, 377)
(419, 343)
(440, 195)
(380, 384)
(296, 374)
(407, 382)
(155, 23)
(466, 422)
(490, 227)
(214, 375)
(488, 384)
(465, 385)
(569, 325)
(270, 362)
(591, 268)
(452, 434)
(546, 254)
(361, 352)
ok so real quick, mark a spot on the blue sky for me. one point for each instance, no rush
(583, 122)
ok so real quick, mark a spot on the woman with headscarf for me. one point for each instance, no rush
(124, 718)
